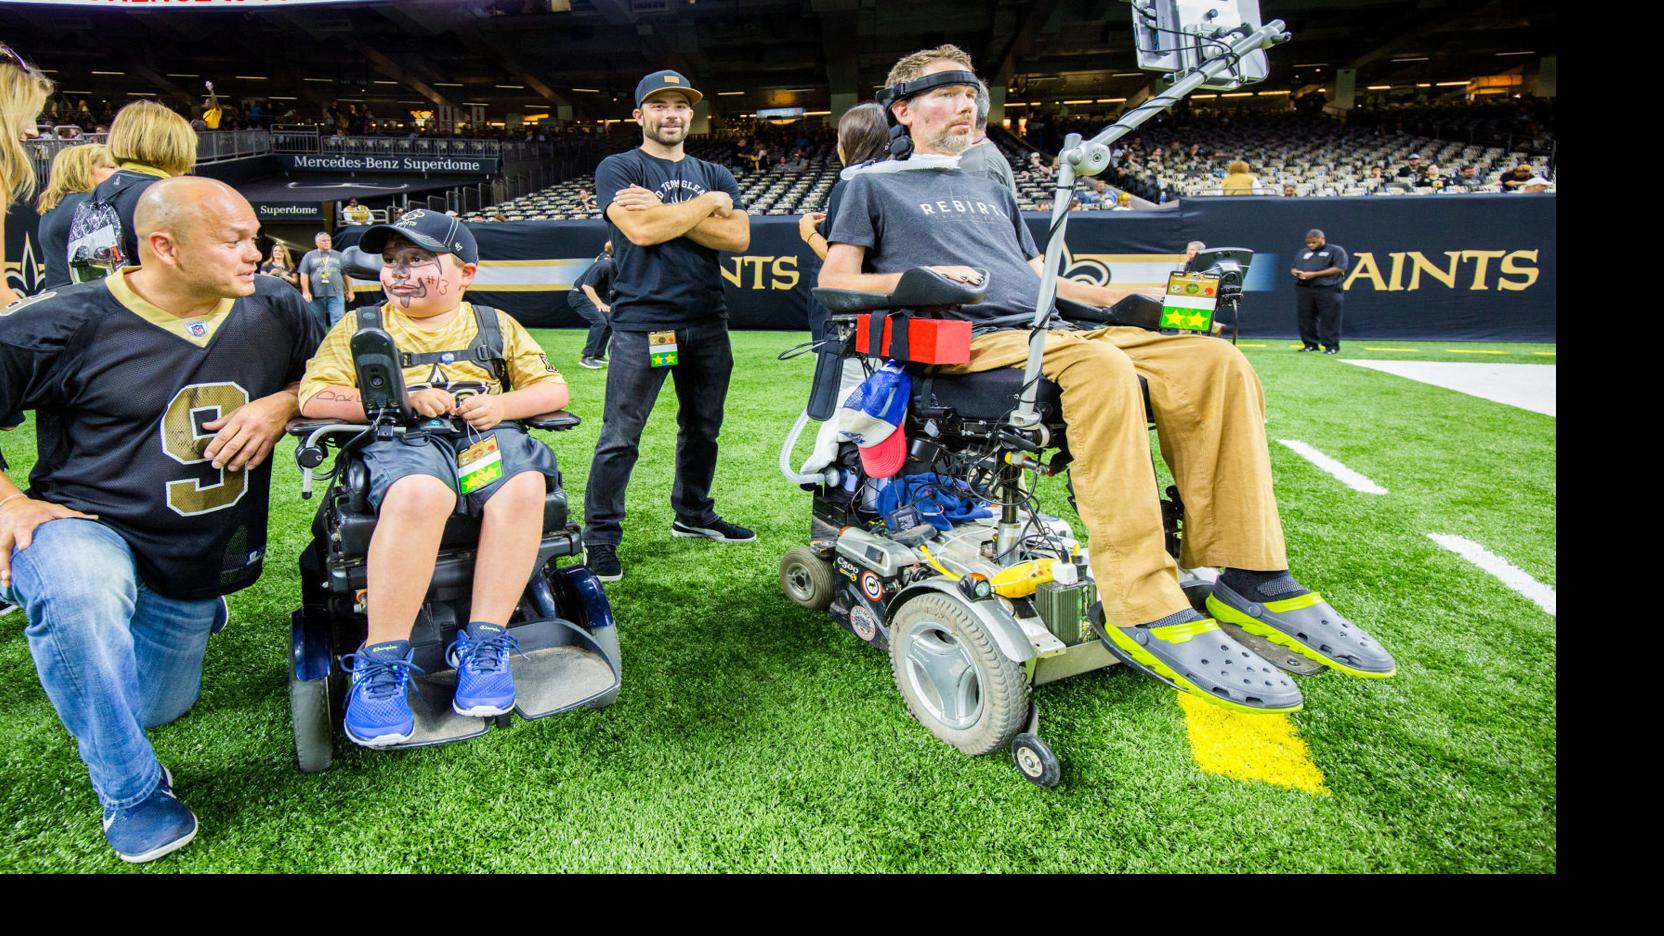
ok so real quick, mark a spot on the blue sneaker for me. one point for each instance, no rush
(378, 711)
(156, 826)
(484, 682)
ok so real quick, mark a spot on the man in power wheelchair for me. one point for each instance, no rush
(899, 216)
(445, 462)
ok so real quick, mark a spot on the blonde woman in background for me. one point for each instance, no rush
(23, 92)
(148, 143)
(76, 170)
(1238, 180)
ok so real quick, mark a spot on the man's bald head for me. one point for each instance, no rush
(197, 236)
(182, 205)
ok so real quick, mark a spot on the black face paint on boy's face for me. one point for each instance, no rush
(409, 274)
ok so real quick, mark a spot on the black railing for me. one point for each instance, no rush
(212, 146)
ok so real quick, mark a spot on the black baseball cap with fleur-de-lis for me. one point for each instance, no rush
(429, 230)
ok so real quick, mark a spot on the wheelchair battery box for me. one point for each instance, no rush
(928, 340)
(1063, 608)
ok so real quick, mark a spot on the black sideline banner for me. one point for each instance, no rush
(1431, 267)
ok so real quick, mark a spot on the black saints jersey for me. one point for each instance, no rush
(121, 390)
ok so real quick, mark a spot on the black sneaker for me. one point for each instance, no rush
(602, 559)
(591, 363)
(1306, 348)
(719, 529)
(1331, 350)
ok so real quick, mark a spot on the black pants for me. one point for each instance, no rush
(1319, 313)
(600, 325)
(705, 362)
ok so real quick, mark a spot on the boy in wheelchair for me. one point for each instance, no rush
(1205, 398)
(470, 457)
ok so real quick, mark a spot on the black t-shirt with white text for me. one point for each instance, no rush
(675, 283)
(121, 390)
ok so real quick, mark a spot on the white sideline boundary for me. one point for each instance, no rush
(1335, 469)
(1509, 574)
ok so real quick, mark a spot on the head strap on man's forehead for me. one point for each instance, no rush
(908, 89)
(901, 143)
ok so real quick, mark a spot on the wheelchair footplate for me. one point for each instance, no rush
(564, 667)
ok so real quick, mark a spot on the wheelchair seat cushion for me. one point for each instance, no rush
(356, 527)
(391, 460)
(992, 394)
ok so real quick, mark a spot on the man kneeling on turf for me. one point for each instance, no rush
(1207, 401)
(419, 480)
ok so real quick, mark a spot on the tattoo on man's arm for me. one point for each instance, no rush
(339, 396)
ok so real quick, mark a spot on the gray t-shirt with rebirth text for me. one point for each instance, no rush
(986, 160)
(322, 268)
(943, 217)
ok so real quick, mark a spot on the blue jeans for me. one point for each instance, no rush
(328, 310)
(114, 657)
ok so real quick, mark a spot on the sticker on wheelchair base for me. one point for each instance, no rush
(871, 586)
(863, 622)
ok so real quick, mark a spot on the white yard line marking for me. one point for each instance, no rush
(1509, 574)
(1527, 386)
(1341, 473)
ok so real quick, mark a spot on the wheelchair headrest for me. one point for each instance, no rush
(357, 263)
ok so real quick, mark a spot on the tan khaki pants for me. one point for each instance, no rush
(1210, 418)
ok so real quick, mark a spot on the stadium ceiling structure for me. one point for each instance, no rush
(520, 56)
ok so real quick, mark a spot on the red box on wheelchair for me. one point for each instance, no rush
(928, 340)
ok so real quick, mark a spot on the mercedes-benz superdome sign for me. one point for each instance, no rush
(339, 162)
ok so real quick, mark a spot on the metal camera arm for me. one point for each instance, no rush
(1088, 158)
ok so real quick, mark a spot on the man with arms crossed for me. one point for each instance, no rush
(159, 393)
(1207, 402)
(669, 215)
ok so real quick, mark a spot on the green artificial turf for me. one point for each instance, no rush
(753, 735)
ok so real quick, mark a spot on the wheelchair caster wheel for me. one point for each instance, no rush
(503, 721)
(807, 579)
(1035, 761)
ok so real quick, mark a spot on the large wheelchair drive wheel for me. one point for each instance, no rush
(807, 579)
(954, 678)
(309, 709)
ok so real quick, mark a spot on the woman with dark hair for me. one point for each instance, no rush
(863, 137)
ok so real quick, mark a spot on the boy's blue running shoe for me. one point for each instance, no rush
(484, 682)
(378, 711)
(154, 827)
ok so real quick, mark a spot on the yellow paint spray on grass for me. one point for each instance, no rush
(1249, 747)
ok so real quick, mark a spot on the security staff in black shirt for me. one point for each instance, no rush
(668, 214)
(1318, 271)
(590, 297)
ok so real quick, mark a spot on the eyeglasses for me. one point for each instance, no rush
(8, 54)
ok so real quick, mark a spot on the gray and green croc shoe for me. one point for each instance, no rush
(1199, 658)
(1307, 625)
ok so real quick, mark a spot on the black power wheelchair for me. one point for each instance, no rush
(569, 646)
(974, 617)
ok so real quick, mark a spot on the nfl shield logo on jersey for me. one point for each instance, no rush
(197, 329)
